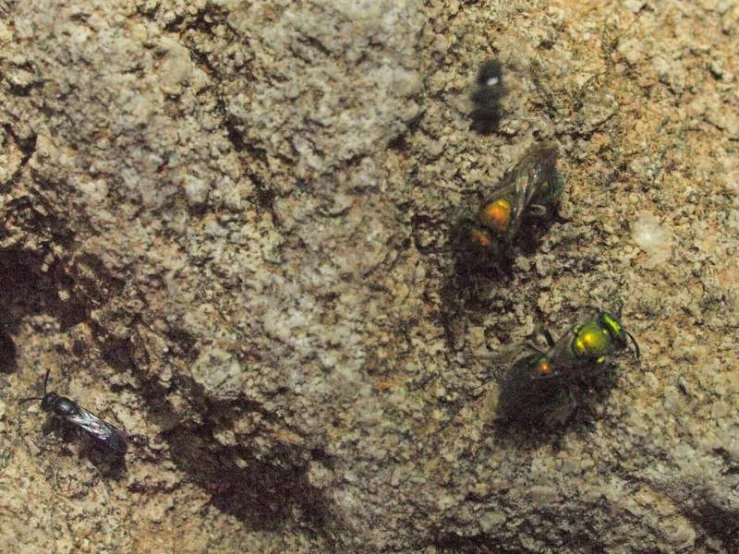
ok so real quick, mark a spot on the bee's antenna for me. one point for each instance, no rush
(541, 330)
(46, 381)
(636, 345)
(22, 400)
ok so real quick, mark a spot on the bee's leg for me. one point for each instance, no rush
(533, 347)
(636, 345)
(541, 330)
(537, 210)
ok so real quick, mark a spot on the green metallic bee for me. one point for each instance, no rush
(580, 351)
(564, 383)
(532, 187)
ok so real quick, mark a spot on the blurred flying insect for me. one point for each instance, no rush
(580, 351)
(68, 410)
(531, 188)
(486, 96)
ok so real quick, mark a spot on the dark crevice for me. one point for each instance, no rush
(27, 145)
(266, 493)
(8, 362)
(29, 288)
(118, 354)
(24, 90)
(315, 44)
(264, 196)
(719, 523)
(732, 465)
(234, 135)
(93, 279)
(477, 544)
(182, 344)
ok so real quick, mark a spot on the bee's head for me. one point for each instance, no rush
(620, 336)
(49, 401)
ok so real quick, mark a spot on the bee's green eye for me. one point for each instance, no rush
(611, 323)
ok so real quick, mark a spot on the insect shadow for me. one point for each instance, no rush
(540, 407)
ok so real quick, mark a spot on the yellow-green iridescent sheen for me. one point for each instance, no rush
(591, 340)
(613, 324)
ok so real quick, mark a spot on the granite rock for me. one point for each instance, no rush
(225, 227)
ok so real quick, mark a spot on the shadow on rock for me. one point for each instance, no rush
(265, 494)
(466, 287)
(540, 408)
(8, 363)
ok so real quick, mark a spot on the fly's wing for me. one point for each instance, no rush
(539, 170)
(525, 399)
(113, 438)
(532, 180)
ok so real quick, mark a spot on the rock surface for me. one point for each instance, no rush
(225, 225)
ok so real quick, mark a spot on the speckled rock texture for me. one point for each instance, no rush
(225, 226)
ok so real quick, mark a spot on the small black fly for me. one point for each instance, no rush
(486, 97)
(68, 410)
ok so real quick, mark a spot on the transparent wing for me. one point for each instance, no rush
(536, 175)
(104, 432)
(534, 179)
